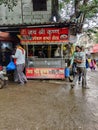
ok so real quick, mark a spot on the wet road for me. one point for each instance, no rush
(50, 106)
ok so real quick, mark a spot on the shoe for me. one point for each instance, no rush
(25, 82)
(20, 84)
(85, 87)
(79, 82)
(16, 81)
(72, 85)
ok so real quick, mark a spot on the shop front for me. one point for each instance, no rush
(6, 47)
(46, 51)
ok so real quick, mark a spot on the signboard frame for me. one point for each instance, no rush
(44, 35)
(45, 73)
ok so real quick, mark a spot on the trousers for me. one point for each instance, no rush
(19, 74)
(81, 71)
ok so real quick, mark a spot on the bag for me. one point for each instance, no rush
(67, 72)
(87, 64)
(11, 66)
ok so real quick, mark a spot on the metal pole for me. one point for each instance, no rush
(22, 11)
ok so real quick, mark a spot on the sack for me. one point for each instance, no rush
(11, 66)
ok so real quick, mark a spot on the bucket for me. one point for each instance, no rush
(67, 72)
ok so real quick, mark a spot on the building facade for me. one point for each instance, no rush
(26, 12)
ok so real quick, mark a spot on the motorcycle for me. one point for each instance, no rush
(3, 77)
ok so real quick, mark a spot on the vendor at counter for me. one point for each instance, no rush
(30, 53)
(57, 52)
(37, 51)
(41, 54)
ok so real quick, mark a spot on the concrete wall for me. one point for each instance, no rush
(23, 13)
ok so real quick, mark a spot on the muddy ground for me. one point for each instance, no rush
(44, 105)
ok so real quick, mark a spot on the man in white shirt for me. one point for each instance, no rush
(20, 64)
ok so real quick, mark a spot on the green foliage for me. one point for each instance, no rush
(67, 1)
(90, 9)
(81, 10)
(96, 37)
(93, 34)
(92, 31)
(9, 3)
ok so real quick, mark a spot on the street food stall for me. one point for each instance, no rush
(45, 51)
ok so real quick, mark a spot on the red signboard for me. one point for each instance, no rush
(43, 35)
(45, 73)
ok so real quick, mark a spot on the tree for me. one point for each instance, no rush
(80, 11)
(9, 3)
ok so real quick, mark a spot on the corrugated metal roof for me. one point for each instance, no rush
(50, 24)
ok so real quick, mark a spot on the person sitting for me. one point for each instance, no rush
(30, 53)
(41, 54)
(57, 53)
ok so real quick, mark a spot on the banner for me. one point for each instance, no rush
(45, 73)
(43, 35)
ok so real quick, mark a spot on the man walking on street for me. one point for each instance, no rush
(81, 68)
(20, 65)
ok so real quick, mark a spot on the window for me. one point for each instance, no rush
(39, 5)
